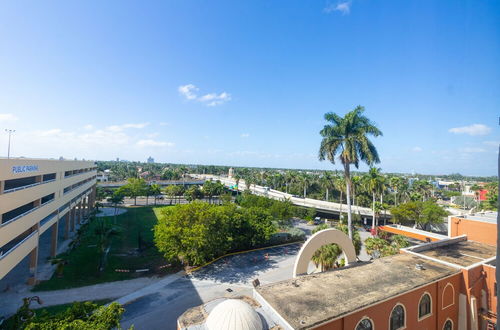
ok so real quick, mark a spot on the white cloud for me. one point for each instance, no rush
(88, 127)
(343, 7)
(492, 143)
(188, 91)
(153, 143)
(164, 123)
(7, 117)
(474, 129)
(471, 150)
(245, 135)
(416, 149)
(214, 99)
(211, 99)
(119, 128)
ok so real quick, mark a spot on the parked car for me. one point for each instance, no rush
(317, 220)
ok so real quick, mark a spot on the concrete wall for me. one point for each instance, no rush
(478, 231)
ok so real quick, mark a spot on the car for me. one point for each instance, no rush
(317, 220)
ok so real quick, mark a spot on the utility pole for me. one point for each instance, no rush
(10, 131)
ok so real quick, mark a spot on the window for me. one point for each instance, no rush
(397, 318)
(365, 324)
(448, 325)
(424, 307)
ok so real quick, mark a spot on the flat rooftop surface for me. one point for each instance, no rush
(484, 217)
(464, 253)
(310, 300)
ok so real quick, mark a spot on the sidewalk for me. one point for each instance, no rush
(11, 301)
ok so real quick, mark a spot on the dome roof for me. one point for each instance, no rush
(233, 314)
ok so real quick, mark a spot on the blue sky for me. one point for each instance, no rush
(246, 83)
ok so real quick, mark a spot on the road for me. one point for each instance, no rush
(329, 207)
(228, 277)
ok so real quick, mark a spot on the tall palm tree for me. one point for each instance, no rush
(326, 183)
(347, 137)
(374, 183)
(340, 185)
(395, 182)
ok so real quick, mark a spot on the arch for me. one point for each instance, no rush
(425, 306)
(448, 297)
(399, 318)
(362, 324)
(323, 237)
(448, 324)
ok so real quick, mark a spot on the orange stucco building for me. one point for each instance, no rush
(479, 227)
(439, 285)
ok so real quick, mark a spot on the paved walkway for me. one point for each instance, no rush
(110, 211)
(11, 301)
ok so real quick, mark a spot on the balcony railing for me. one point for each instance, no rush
(3, 255)
(27, 186)
(26, 213)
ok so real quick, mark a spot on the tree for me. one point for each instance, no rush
(134, 188)
(423, 214)
(193, 193)
(347, 137)
(327, 255)
(155, 191)
(81, 315)
(198, 232)
(115, 200)
(374, 183)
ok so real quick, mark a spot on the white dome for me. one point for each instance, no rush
(233, 314)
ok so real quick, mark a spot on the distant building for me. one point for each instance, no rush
(231, 172)
(151, 160)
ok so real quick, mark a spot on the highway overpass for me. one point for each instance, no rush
(320, 206)
(162, 183)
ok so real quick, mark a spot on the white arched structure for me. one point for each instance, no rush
(323, 237)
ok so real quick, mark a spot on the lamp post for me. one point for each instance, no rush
(10, 131)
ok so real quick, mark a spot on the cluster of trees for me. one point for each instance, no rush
(423, 214)
(80, 315)
(385, 245)
(198, 232)
(327, 256)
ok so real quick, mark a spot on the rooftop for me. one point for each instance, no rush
(483, 216)
(461, 253)
(310, 300)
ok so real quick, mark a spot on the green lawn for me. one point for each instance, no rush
(83, 261)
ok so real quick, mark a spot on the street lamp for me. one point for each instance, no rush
(10, 131)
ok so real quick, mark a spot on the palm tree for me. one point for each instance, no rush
(326, 183)
(374, 184)
(305, 180)
(347, 137)
(395, 182)
(115, 200)
(237, 179)
(340, 185)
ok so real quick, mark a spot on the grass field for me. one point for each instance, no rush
(83, 260)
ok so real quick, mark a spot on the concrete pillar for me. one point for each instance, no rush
(66, 224)
(72, 218)
(53, 246)
(2, 187)
(33, 266)
(86, 206)
(80, 212)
